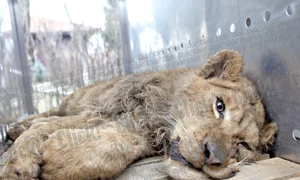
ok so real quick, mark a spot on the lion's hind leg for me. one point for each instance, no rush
(18, 128)
(90, 153)
(25, 159)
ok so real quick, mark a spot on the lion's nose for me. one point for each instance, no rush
(213, 155)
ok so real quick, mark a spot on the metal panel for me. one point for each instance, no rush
(15, 90)
(122, 13)
(169, 34)
(13, 74)
(20, 53)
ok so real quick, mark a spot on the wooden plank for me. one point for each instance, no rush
(264, 156)
(146, 169)
(271, 169)
(295, 178)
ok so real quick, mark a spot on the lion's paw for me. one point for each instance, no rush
(56, 157)
(24, 169)
(220, 173)
(15, 130)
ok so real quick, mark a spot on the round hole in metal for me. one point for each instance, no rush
(191, 43)
(182, 45)
(248, 22)
(267, 16)
(232, 28)
(289, 10)
(219, 32)
(296, 134)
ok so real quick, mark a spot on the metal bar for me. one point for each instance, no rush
(20, 53)
(125, 39)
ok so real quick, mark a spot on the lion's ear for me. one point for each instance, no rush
(225, 64)
(267, 136)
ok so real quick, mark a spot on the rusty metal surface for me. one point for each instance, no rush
(170, 34)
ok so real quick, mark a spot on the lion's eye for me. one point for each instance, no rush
(220, 106)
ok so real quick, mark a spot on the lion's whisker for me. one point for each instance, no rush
(242, 161)
(179, 123)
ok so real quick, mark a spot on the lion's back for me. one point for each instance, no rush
(75, 103)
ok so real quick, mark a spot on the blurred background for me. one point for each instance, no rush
(65, 45)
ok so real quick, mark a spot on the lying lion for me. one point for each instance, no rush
(204, 121)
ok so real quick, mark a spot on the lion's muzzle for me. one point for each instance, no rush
(174, 153)
(211, 150)
(214, 155)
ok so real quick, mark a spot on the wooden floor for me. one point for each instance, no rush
(269, 169)
(151, 168)
(274, 168)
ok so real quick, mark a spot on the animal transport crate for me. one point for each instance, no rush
(158, 35)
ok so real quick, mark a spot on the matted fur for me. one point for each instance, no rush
(142, 115)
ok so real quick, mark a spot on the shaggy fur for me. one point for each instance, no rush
(99, 130)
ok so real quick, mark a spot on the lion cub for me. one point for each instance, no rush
(203, 120)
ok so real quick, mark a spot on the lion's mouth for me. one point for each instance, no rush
(216, 171)
(175, 155)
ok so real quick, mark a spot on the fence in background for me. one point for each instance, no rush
(43, 59)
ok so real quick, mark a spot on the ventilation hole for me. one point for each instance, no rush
(181, 45)
(267, 16)
(289, 10)
(296, 134)
(248, 22)
(202, 36)
(219, 32)
(232, 28)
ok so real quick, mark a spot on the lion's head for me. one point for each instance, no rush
(221, 118)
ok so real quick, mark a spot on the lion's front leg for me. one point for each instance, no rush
(90, 153)
(25, 159)
(17, 128)
(178, 170)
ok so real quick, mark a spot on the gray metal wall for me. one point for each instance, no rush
(175, 33)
